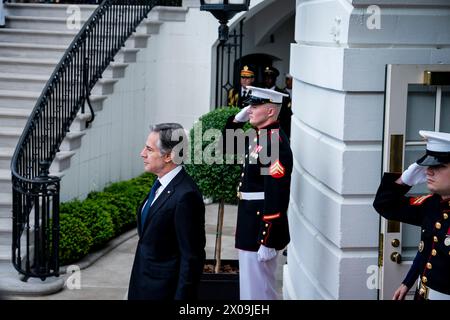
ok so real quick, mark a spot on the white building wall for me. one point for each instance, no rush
(169, 83)
(338, 65)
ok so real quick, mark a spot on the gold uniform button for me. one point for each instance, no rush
(437, 225)
(243, 174)
(262, 240)
(422, 291)
(433, 252)
(264, 233)
(240, 184)
(258, 213)
(424, 279)
(445, 216)
(429, 266)
(267, 225)
(435, 239)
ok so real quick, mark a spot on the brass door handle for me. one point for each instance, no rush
(396, 257)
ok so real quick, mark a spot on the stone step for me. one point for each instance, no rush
(6, 204)
(49, 10)
(18, 99)
(37, 36)
(6, 231)
(13, 117)
(5, 252)
(27, 66)
(31, 50)
(22, 82)
(9, 136)
(162, 13)
(5, 181)
(5, 159)
(62, 161)
(43, 23)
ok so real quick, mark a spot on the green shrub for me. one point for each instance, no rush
(75, 239)
(218, 181)
(89, 224)
(96, 216)
(120, 208)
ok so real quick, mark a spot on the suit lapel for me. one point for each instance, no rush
(162, 198)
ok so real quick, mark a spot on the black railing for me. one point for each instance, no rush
(35, 193)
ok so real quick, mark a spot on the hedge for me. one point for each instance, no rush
(88, 225)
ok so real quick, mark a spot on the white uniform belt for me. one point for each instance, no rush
(431, 294)
(251, 195)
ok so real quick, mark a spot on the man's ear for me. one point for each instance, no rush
(168, 157)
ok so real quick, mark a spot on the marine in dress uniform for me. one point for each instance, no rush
(270, 76)
(431, 266)
(236, 97)
(262, 222)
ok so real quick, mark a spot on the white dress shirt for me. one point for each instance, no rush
(164, 180)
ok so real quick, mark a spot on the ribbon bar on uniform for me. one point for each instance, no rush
(251, 195)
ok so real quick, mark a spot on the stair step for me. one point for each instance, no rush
(6, 204)
(5, 252)
(18, 99)
(49, 10)
(27, 66)
(9, 136)
(5, 158)
(31, 50)
(27, 82)
(5, 181)
(37, 36)
(5, 231)
(43, 23)
(13, 117)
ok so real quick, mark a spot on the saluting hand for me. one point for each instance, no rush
(242, 116)
(415, 174)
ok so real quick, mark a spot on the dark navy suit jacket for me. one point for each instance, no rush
(171, 250)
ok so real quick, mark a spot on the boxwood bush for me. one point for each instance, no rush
(88, 225)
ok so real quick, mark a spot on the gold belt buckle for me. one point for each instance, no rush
(239, 195)
(423, 290)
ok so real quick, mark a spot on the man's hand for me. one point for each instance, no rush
(415, 174)
(266, 254)
(400, 293)
(242, 116)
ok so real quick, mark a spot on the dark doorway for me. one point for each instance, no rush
(257, 62)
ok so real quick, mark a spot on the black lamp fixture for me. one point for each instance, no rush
(224, 10)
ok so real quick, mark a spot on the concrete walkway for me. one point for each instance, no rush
(108, 277)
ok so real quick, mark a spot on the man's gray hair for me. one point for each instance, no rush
(171, 135)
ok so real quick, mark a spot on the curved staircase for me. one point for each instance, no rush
(34, 39)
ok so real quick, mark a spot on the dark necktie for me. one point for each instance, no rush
(244, 94)
(150, 199)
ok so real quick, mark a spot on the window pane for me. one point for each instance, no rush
(445, 109)
(421, 110)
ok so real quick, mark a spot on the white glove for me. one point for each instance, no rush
(266, 254)
(415, 174)
(242, 116)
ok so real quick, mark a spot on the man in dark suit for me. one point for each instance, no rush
(171, 224)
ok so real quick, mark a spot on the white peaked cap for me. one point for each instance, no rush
(436, 141)
(261, 95)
